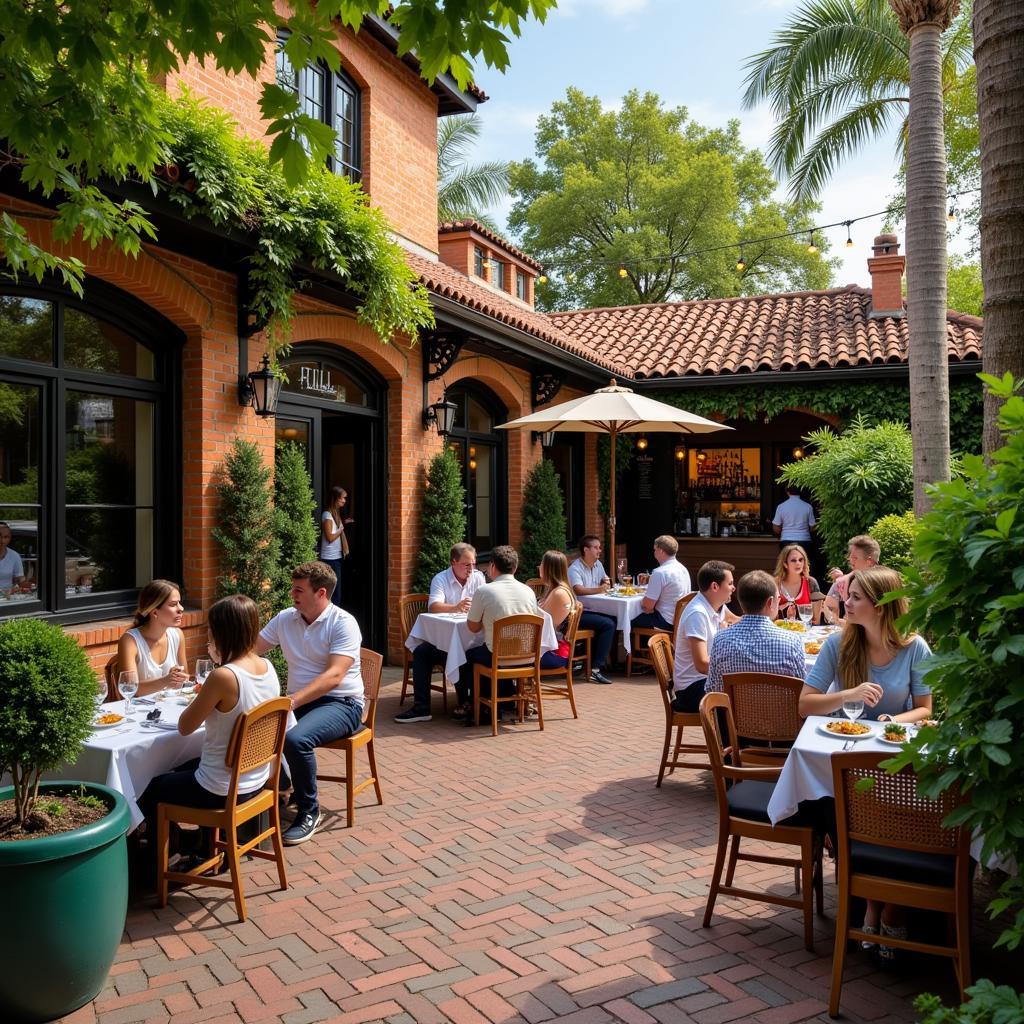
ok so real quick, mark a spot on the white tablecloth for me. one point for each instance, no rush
(622, 609)
(448, 631)
(807, 775)
(128, 757)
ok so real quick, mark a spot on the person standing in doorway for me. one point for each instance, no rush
(334, 543)
(794, 523)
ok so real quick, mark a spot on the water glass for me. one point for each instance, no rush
(128, 686)
(853, 709)
(805, 611)
(100, 693)
(204, 666)
(643, 578)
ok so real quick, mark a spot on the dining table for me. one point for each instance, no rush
(448, 632)
(623, 608)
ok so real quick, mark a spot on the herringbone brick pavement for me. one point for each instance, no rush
(531, 877)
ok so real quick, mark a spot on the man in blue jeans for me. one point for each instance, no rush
(321, 644)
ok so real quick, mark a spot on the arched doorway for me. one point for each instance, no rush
(481, 452)
(334, 405)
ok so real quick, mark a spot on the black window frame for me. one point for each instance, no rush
(479, 261)
(500, 272)
(333, 81)
(521, 287)
(54, 380)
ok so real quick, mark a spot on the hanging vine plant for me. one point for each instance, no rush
(326, 223)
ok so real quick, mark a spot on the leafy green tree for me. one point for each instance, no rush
(465, 191)
(79, 88)
(895, 536)
(443, 516)
(295, 507)
(837, 75)
(544, 524)
(648, 190)
(248, 528)
(963, 284)
(856, 478)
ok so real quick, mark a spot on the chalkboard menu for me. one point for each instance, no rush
(644, 478)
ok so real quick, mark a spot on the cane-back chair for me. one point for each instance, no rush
(515, 654)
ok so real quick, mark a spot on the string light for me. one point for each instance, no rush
(623, 272)
(811, 247)
(543, 279)
(849, 237)
(641, 443)
(741, 263)
(951, 216)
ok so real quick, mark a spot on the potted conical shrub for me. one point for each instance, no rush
(63, 884)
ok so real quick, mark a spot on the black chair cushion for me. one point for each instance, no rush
(749, 800)
(902, 865)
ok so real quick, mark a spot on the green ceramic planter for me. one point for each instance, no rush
(64, 900)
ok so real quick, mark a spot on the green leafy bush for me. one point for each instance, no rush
(986, 1004)
(895, 536)
(543, 518)
(444, 518)
(966, 590)
(855, 477)
(47, 708)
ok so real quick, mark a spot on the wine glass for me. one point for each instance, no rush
(204, 666)
(805, 611)
(853, 708)
(128, 686)
(100, 693)
(620, 569)
(643, 578)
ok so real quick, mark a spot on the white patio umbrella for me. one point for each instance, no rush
(615, 410)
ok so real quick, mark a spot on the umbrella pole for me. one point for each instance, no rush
(611, 506)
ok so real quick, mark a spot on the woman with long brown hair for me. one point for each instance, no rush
(155, 646)
(796, 584)
(334, 543)
(558, 600)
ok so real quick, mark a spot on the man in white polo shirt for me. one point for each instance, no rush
(587, 576)
(321, 644)
(702, 618)
(669, 582)
(451, 590)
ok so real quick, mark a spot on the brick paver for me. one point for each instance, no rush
(531, 877)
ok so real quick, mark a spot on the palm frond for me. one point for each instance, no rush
(465, 190)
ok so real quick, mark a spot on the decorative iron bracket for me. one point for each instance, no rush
(545, 386)
(440, 350)
(249, 323)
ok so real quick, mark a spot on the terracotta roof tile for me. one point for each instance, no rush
(794, 331)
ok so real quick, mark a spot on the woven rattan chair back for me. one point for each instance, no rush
(371, 665)
(537, 586)
(110, 675)
(516, 640)
(408, 608)
(765, 705)
(723, 750)
(258, 737)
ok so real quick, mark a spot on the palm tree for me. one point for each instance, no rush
(998, 38)
(838, 76)
(464, 190)
(924, 21)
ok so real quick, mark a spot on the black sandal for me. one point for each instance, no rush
(462, 712)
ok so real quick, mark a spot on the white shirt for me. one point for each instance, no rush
(330, 549)
(669, 582)
(583, 575)
(145, 665)
(701, 622)
(446, 589)
(795, 517)
(503, 596)
(10, 567)
(307, 647)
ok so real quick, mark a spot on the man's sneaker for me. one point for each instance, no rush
(413, 714)
(597, 676)
(304, 828)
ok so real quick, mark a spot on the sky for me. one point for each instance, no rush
(691, 53)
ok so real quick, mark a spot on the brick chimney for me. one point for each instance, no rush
(886, 267)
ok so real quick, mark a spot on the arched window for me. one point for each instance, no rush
(481, 454)
(331, 97)
(86, 418)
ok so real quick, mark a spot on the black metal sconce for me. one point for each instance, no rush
(546, 437)
(442, 416)
(260, 389)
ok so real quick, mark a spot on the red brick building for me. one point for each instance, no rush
(139, 382)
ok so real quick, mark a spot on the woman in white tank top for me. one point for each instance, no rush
(155, 645)
(243, 681)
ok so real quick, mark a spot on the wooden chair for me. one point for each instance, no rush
(536, 585)
(408, 608)
(515, 654)
(764, 707)
(110, 675)
(893, 848)
(661, 657)
(257, 739)
(743, 814)
(371, 664)
(640, 653)
(552, 679)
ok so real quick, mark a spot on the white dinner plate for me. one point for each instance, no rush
(911, 733)
(822, 727)
(110, 725)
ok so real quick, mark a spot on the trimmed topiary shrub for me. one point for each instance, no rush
(295, 505)
(48, 704)
(895, 536)
(543, 518)
(444, 518)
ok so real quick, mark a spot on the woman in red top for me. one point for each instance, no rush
(795, 583)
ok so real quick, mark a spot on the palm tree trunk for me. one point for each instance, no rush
(926, 244)
(999, 54)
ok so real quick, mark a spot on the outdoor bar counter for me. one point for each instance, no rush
(745, 553)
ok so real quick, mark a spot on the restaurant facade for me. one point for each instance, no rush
(118, 409)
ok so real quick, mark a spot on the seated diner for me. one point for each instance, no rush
(155, 645)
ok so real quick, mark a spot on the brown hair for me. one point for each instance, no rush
(780, 564)
(320, 575)
(460, 549)
(712, 572)
(554, 570)
(152, 596)
(875, 583)
(234, 625)
(667, 543)
(867, 546)
(587, 540)
(505, 558)
(754, 590)
(333, 497)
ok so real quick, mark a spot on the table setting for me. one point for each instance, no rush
(622, 603)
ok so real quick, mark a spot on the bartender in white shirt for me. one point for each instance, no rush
(451, 590)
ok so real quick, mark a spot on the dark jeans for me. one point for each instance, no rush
(328, 718)
(424, 658)
(650, 620)
(687, 701)
(551, 659)
(603, 627)
(335, 564)
(464, 687)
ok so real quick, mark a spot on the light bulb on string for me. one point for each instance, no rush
(622, 271)
(849, 237)
(543, 279)
(951, 216)
(811, 247)
(741, 263)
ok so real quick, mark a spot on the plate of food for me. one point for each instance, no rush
(896, 734)
(107, 720)
(813, 646)
(845, 729)
(792, 625)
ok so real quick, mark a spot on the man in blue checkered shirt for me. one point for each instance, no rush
(755, 643)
